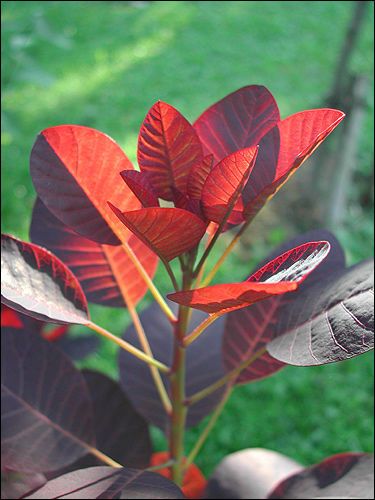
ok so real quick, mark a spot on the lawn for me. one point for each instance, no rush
(103, 65)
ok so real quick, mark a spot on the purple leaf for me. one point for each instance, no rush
(18, 484)
(203, 368)
(347, 475)
(106, 482)
(121, 433)
(250, 329)
(35, 282)
(47, 419)
(330, 322)
(237, 121)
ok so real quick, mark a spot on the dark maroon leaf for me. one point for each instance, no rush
(248, 330)
(237, 121)
(75, 171)
(204, 366)
(18, 484)
(46, 416)
(331, 321)
(35, 282)
(347, 475)
(168, 146)
(121, 433)
(105, 272)
(141, 185)
(105, 482)
(169, 232)
(78, 348)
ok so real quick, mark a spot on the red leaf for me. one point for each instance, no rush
(294, 265)
(238, 121)
(169, 232)
(250, 329)
(106, 273)
(281, 275)
(228, 297)
(198, 175)
(168, 147)
(13, 319)
(283, 150)
(194, 482)
(10, 318)
(35, 282)
(141, 185)
(75, 171)
(224, 184)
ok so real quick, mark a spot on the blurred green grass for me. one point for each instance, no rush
(103, 64)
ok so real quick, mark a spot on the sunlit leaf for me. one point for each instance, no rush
(248, 330)
(75, 171)
(169, 232)
(283, 150)
(168, 147)
(224, 184)
(105, 272)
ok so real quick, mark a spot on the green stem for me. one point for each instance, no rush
(200, 328)
(177, 384)
(150, 284)
(211, 423)
(128, 347)
(232, 375)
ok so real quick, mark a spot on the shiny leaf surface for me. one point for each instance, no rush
(330, 322)
(250, 329)
(35, 282)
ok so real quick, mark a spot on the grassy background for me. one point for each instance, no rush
(103, 64)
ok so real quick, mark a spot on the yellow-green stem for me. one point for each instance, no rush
(210, 276)
(150, 284)
(159, 384)
(232, 375)
(103, 458)
(200, 328)
(212, 421)
(177, 383)
(128, 347)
